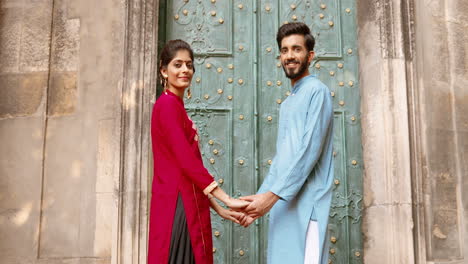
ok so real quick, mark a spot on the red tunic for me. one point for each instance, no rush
(178, 168)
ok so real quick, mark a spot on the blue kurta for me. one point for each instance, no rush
(301, 173)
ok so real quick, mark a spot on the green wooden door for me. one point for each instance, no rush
(237, 90)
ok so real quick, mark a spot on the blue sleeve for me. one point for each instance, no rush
(287, 183)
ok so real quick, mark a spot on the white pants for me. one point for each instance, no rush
(312, 244)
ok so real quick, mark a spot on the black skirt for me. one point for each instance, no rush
(181, 249)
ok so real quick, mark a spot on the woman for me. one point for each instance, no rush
(183, 190)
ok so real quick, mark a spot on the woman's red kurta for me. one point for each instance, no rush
(178, 168)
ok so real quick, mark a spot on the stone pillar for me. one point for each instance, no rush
(440, 131)
(138, 91)
(385, 50)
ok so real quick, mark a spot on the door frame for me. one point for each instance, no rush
(138, 91)
(140, 79)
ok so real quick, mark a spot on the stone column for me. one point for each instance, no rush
(138, 91)
(438, 103)
(385, 50)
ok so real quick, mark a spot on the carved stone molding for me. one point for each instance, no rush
(138, 90)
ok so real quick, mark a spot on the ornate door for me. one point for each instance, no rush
(237, 90)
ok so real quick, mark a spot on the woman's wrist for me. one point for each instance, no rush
(214, 204)
(221, 195)
(227, 200)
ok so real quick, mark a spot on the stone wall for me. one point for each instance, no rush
(414, 72)
(24, 67)
(384, 53)
(440, 101)
(61, 71)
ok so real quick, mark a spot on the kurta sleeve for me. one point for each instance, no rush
(287, 183)
(170, 119)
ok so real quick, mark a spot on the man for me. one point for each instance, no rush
(298, 186)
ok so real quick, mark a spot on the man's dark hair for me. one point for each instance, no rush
(296, 28)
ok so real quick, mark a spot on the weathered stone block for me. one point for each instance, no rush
(106, 159)
(459, 13)
(20, 187)
(443, 222)
(62, 93)
(441, 147)
(36, 36)
(66, 39)
(106, 209)
(11, 20)
(69, 213)
(22, 94)
(381, 243)
(445, 235)
(461, 107)
(438, 105)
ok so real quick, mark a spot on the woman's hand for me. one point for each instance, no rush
(230, 215)
(225, 213)
(236, 204)
(230, 202)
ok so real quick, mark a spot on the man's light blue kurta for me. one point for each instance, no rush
(302, 172)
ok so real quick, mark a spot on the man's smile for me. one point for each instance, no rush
(292, 64)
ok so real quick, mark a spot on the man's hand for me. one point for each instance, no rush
(260, 204)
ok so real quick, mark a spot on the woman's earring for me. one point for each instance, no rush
(189, 92)
(164, 82)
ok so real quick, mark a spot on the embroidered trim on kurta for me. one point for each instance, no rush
(199, 218)
(210, 188)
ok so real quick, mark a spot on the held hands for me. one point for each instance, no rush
(245, 210)
(225, 213)
(259, 205)
(235, 214)
(234, 204)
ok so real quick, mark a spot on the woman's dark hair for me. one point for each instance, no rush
(296, 28)
(169, 52)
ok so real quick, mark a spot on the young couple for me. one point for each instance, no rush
(297, 189)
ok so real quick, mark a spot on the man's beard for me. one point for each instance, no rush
(303, 65)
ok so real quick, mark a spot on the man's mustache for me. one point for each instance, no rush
(292, 61)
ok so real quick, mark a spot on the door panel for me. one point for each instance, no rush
(333, 24)
(237, 90)
(222, 105)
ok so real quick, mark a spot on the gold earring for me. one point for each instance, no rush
(164, 83)
(189, 92)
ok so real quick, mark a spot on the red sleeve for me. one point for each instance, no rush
(170, 121)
